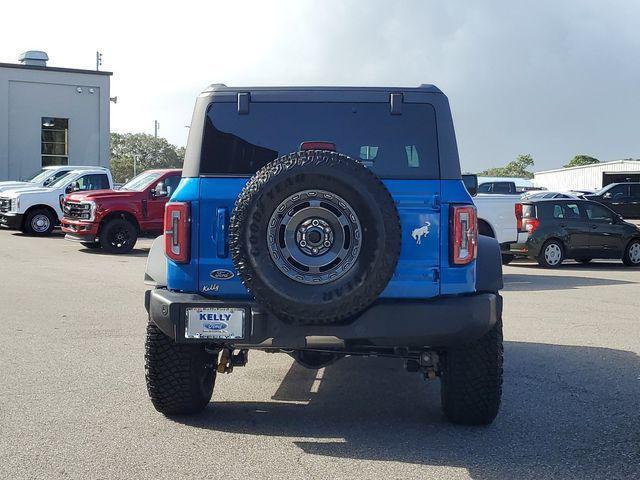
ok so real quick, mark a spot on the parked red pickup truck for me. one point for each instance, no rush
(113, 219)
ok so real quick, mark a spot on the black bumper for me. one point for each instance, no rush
(11, 220)
(443, 322)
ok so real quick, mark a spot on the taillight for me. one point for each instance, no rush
(530, 224)
(464, 234)
(518, 209)
(177, 231)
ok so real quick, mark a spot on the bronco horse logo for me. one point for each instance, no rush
(418, 233)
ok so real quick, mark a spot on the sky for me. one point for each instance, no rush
(548, 78)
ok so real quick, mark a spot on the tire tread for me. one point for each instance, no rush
(471, 377)
(170, 374)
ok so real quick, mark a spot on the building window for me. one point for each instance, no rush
(55, 141)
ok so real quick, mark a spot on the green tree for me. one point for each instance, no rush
(146, 150)
(515, 168)
(580, 160)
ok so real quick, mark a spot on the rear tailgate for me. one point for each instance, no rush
(416, 276)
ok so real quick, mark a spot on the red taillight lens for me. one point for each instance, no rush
(177, 231)
(464, 234)
(518, 209)
(530, 224)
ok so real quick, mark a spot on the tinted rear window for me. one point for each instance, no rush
(393, 146)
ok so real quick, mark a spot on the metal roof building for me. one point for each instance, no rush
(51, 116)
(588, 177)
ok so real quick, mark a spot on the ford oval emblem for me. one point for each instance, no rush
(214, 326)
(221, 274)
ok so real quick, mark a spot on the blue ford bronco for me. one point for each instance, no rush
(324, 222)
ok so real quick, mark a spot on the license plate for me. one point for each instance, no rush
(218, 323)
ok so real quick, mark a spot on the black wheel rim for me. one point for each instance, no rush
(120, 238)
(314, 237)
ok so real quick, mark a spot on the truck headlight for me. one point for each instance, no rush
(15, 204)
(92, 211)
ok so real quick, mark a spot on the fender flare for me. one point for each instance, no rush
(488, 265)
(155, 272)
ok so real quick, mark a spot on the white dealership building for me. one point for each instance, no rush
(51, 116)
(588, 177)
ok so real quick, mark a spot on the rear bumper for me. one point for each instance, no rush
(80, 231)
(515, 247)
(11, 220)
(444, 322)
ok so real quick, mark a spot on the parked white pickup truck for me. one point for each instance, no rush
(37, 210)
(43, 178)
(497, 216)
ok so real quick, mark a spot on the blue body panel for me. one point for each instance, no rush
(423, 270)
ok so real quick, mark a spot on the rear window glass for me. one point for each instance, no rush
(557, 211)
(393, 146)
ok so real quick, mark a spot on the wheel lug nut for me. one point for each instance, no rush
(327, 243)
(303, 243)
(315, 250)
(315, 223)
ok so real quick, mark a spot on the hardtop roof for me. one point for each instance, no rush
(221, 87)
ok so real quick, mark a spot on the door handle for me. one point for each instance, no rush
(222, 221)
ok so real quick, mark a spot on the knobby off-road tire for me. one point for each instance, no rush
(118, 236)
(276, 200)
(471, 380)
(180, 378)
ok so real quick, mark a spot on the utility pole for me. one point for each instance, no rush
(98, 60)
(135, 164)
(156, 126)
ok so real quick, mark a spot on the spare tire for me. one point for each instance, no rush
(315, 237)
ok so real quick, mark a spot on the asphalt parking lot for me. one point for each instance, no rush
(73, 402)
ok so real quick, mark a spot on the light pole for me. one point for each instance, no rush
(135, 164)
(156, 126)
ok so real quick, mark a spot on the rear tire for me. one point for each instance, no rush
(631, 256)
(91, 245)
(551, 254)
(507, 258)
(471, 379)
(180, 378)
(118, 236)
(39, 222)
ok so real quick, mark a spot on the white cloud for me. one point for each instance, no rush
(552, 78)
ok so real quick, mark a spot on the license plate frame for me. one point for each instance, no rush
(218, 323)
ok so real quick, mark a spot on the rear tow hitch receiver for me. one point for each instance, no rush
(426, 363)
(228, 360)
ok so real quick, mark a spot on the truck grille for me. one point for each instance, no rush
(5, 204)
(77, 211)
